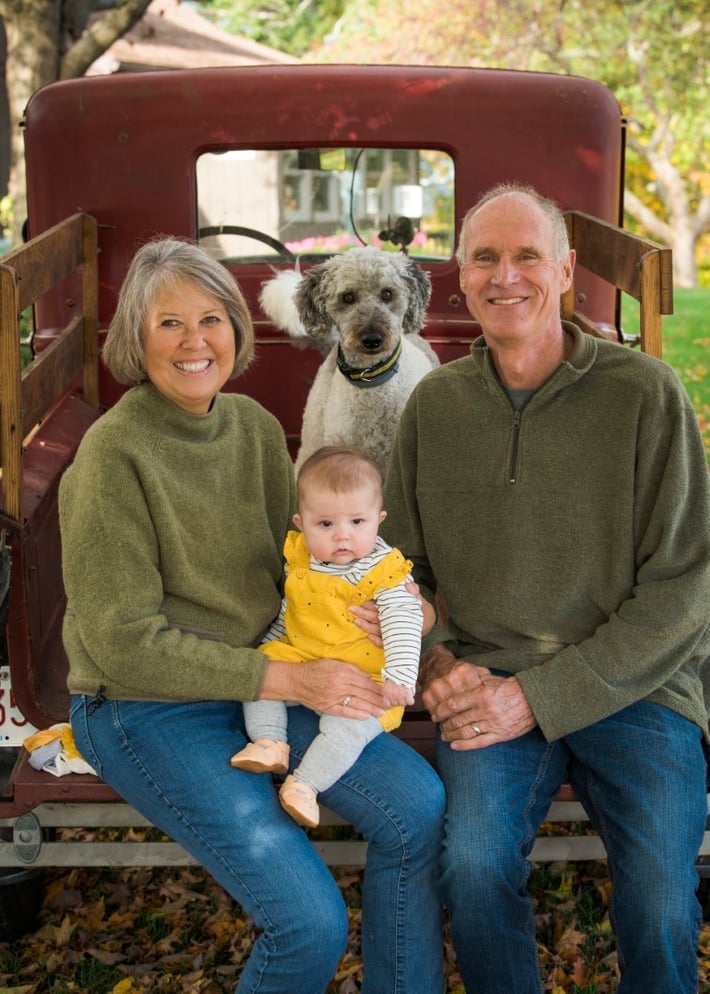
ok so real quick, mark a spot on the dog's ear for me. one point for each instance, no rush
(311, 297)
(419, 288)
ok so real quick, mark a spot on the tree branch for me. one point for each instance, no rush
(702, 216)
(100, 36)
(645, 216)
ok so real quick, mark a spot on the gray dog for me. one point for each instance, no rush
(364, 309)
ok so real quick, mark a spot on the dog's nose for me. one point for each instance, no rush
(372, 342)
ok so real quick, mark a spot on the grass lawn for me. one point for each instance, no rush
(686, 347)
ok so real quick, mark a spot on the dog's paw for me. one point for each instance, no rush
(278, 302)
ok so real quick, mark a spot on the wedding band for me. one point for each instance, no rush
(476, 729)
(346, 701)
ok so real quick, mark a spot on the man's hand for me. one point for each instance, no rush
(437, 663)
(475, 709)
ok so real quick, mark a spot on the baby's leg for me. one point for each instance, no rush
(331, 753)
(266, 723)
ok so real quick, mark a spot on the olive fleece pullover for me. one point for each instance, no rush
(172, 528)
(570, 540)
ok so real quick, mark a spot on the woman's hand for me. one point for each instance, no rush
(367, 617)
(325, 685)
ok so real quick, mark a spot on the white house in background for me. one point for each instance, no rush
(172, 35)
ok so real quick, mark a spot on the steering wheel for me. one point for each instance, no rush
(259, 236)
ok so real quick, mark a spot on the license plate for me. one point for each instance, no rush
(14, 727)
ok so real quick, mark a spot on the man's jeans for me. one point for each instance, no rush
(640, 775)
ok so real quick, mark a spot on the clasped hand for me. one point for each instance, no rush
(473, 707)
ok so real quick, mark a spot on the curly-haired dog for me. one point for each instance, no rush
(365, 308)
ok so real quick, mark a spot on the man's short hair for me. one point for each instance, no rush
(549, 207)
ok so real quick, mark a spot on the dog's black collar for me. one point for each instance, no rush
(373, 376)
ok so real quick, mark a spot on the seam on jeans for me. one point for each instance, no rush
(362, 791)
(528, 841)
(404, 867)
(544, 764)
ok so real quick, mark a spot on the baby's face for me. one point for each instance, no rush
(340, 527)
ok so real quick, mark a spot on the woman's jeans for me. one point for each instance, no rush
(171, 762)
(640, 775)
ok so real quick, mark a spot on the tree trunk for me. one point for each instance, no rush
(682, 229)
(37, 33)
(685, 270)
(32, 28)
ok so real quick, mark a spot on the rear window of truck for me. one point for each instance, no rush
(257, 205)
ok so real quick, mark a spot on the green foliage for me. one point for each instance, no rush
(686, 347)
(5, 216)
(653, 54)
(26, 325)
(292, 26)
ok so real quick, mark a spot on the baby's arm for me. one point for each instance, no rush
(401, 624)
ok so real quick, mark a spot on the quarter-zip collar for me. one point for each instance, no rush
(575, 366)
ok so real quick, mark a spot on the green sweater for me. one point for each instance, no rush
(570, 541)
(172, 528)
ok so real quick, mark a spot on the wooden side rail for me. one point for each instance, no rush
(634, 265)
(26, 395)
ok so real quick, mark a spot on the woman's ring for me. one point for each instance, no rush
(346, 701)
(476, 729)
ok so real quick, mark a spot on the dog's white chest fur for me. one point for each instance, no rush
(367, 301)
(340, 412)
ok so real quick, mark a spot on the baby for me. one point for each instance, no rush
(335, 560)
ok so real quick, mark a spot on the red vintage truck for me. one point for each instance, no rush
(263, 165)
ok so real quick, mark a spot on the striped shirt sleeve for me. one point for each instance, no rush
(401, 627)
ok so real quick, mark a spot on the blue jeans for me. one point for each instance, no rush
(640, 775)
(171, 762)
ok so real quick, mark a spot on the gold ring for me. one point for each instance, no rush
(346, 701)
(476, 729)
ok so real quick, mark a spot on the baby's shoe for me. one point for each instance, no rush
(299, 800)
(262, 756)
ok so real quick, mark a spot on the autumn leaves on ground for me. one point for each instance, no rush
(133, 931)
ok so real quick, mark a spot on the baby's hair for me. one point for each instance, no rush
(339, 468)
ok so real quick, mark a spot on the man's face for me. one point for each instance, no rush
(511, 276)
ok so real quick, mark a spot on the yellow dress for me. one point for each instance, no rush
(318, 623)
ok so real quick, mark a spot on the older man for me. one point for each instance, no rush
(554, 489)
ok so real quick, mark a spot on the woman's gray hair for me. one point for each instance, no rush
(548, 207)
(163, 263)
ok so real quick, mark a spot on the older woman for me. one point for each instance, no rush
(173, 518)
